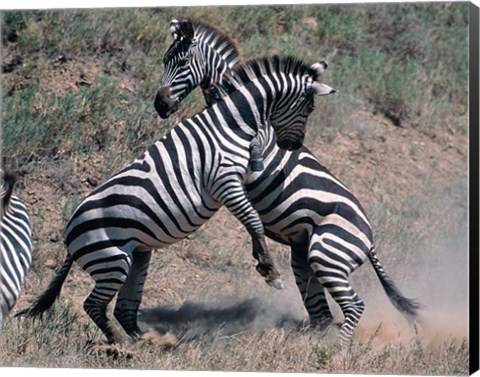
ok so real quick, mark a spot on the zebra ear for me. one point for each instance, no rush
(175, 28)
(181, 29)
(319, 89)
(186, 30)
(318, 68)
(316, 87)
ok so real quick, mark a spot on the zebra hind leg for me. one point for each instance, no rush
(332, 267)
(311, 291)
(350, 303)
(109, 273)
(352, 309)
(130, 295)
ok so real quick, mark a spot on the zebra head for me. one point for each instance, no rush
(179, 74)
(289, 116)
(199, 55)
(289, 88)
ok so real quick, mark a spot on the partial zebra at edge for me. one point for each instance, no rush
(16, 244)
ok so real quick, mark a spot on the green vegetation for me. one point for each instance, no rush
(392, 59)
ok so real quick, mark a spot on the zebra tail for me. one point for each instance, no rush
(47, 298)
(403, 304)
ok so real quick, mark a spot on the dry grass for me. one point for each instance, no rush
(270, 349)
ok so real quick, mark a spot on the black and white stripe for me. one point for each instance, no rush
(16, 252)
(180, 183)
(300, 203)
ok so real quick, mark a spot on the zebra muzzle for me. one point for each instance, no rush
(163, 104)
(289, 145)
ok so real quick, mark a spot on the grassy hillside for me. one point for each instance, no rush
(77, 105)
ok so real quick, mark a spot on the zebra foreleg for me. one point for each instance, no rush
(265, 266)
(130, 294)
(232, 194)
(311, 291)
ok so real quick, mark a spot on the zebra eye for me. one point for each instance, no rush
(183, 60)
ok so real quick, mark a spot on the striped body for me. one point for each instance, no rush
(300, 203)
(295, 193)
(16, 248)
(180, 183)
(165, 195)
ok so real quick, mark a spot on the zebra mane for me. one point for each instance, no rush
(8, 181)
(218, 40)
(253, 69)
(189, 31)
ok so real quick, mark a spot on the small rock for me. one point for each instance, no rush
(50, 263)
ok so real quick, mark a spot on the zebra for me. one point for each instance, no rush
(177, 185)
(300, 203)
(16, 251)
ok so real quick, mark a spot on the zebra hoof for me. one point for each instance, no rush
(256, 165)
(277, 284)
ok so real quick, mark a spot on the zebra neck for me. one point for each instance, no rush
(267, 140)
(229, 119)
(216, 65)
(219, 55)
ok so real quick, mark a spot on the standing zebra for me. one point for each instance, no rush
(300, 203)
(16, 252)
(180, 183)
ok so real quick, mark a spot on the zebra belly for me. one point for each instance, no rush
(114, 219)
(128, 228)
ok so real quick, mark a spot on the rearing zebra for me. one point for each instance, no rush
(299, 201)
(16, 252)
(180, 183)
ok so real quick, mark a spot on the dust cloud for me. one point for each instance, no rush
(192, 320)
(440, 284)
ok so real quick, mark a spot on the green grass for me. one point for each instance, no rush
(393, 58)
